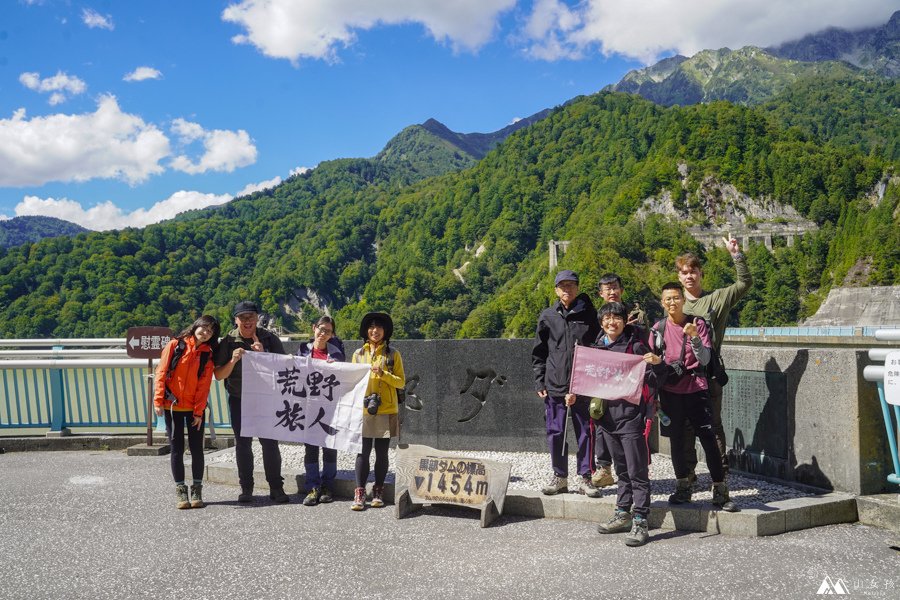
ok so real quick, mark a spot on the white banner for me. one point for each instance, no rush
(299, 399)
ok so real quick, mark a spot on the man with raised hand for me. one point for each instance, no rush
(715, 307)
(247, 337)
(571, 320)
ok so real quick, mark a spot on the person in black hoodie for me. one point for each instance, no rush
(624, 428)
(570, 321)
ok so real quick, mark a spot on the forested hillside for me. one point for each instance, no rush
(365, 234)
(20, 230)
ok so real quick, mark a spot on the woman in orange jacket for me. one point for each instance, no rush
(183, 378)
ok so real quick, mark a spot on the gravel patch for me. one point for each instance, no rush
(531, 470)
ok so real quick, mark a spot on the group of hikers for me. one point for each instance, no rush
(683, 386)
(190, 361)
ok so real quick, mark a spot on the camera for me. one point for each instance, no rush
(372, 402)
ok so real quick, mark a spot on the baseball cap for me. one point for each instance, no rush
(566, 275)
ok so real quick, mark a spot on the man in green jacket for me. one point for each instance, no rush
(713, 306)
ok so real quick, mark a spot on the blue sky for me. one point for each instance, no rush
(123, 113)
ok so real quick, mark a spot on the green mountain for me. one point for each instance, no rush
(360, 234)
(433, 149)
(752, 75)
(20, 230)
(749, 75)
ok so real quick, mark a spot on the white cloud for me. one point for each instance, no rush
(299, 171)
(95, 20)
(60, 84)
(107, 143)
(295, 29)
(223, 150)
(258, 187)
(648, 29)
(142, 74)
(107, 215)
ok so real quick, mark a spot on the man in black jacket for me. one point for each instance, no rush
(247, 337)
(572, 320)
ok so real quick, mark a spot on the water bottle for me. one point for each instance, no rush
(664, 419)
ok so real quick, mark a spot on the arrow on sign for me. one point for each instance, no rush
(134, 342)
(419, 481)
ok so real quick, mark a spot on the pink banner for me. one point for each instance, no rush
(608, 375)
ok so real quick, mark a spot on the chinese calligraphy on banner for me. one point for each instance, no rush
(609, 375)
(299, 399)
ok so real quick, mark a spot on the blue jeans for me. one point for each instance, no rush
(314, 478)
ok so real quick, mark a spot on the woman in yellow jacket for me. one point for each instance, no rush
(381, 420)
(183, 378)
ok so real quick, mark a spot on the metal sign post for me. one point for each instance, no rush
(147, 342)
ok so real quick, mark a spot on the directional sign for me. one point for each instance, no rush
(892, 378)
(147, 342)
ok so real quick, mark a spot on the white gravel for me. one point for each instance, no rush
(531, 470)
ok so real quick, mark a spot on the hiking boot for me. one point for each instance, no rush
(325, 495)
(377, 496)
(692, 479)
(197, 496)
(603, 477)
(246, 495)
(682, 493)
(556, 485)
(277, 495)
(587, 488)
(639, 534)
(312, 498)
(721, 499)
(181, 492)
(359, 499)
(619, 523)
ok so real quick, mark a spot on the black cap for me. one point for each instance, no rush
(566, 275)
(245, 306)
(385, 320)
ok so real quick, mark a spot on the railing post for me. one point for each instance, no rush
(57, 404)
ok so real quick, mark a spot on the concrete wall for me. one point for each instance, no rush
(818, 423)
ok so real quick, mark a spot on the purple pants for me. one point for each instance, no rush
(555, 412)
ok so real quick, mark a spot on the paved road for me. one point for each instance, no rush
(103, 525)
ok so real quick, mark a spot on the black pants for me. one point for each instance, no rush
(243, 451)
(690, 450)
(631, 458)
(381, 460)
(695, 409)
(601, 450)
(176, 423)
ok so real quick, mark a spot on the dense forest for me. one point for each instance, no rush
(362, 234)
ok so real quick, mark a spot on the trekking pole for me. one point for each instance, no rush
(565, 429)
(212, 427)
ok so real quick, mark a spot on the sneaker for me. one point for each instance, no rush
(638, 535)
(377, 496)
(359, 499)
(682, 493)
(603, 477)
(277, 495)
(556, 485)
(246, 495)
(312, 498)
(197, 496)
(181, 492)
(325, 495)
(722, 499)
(619, 523)
(587, 488)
